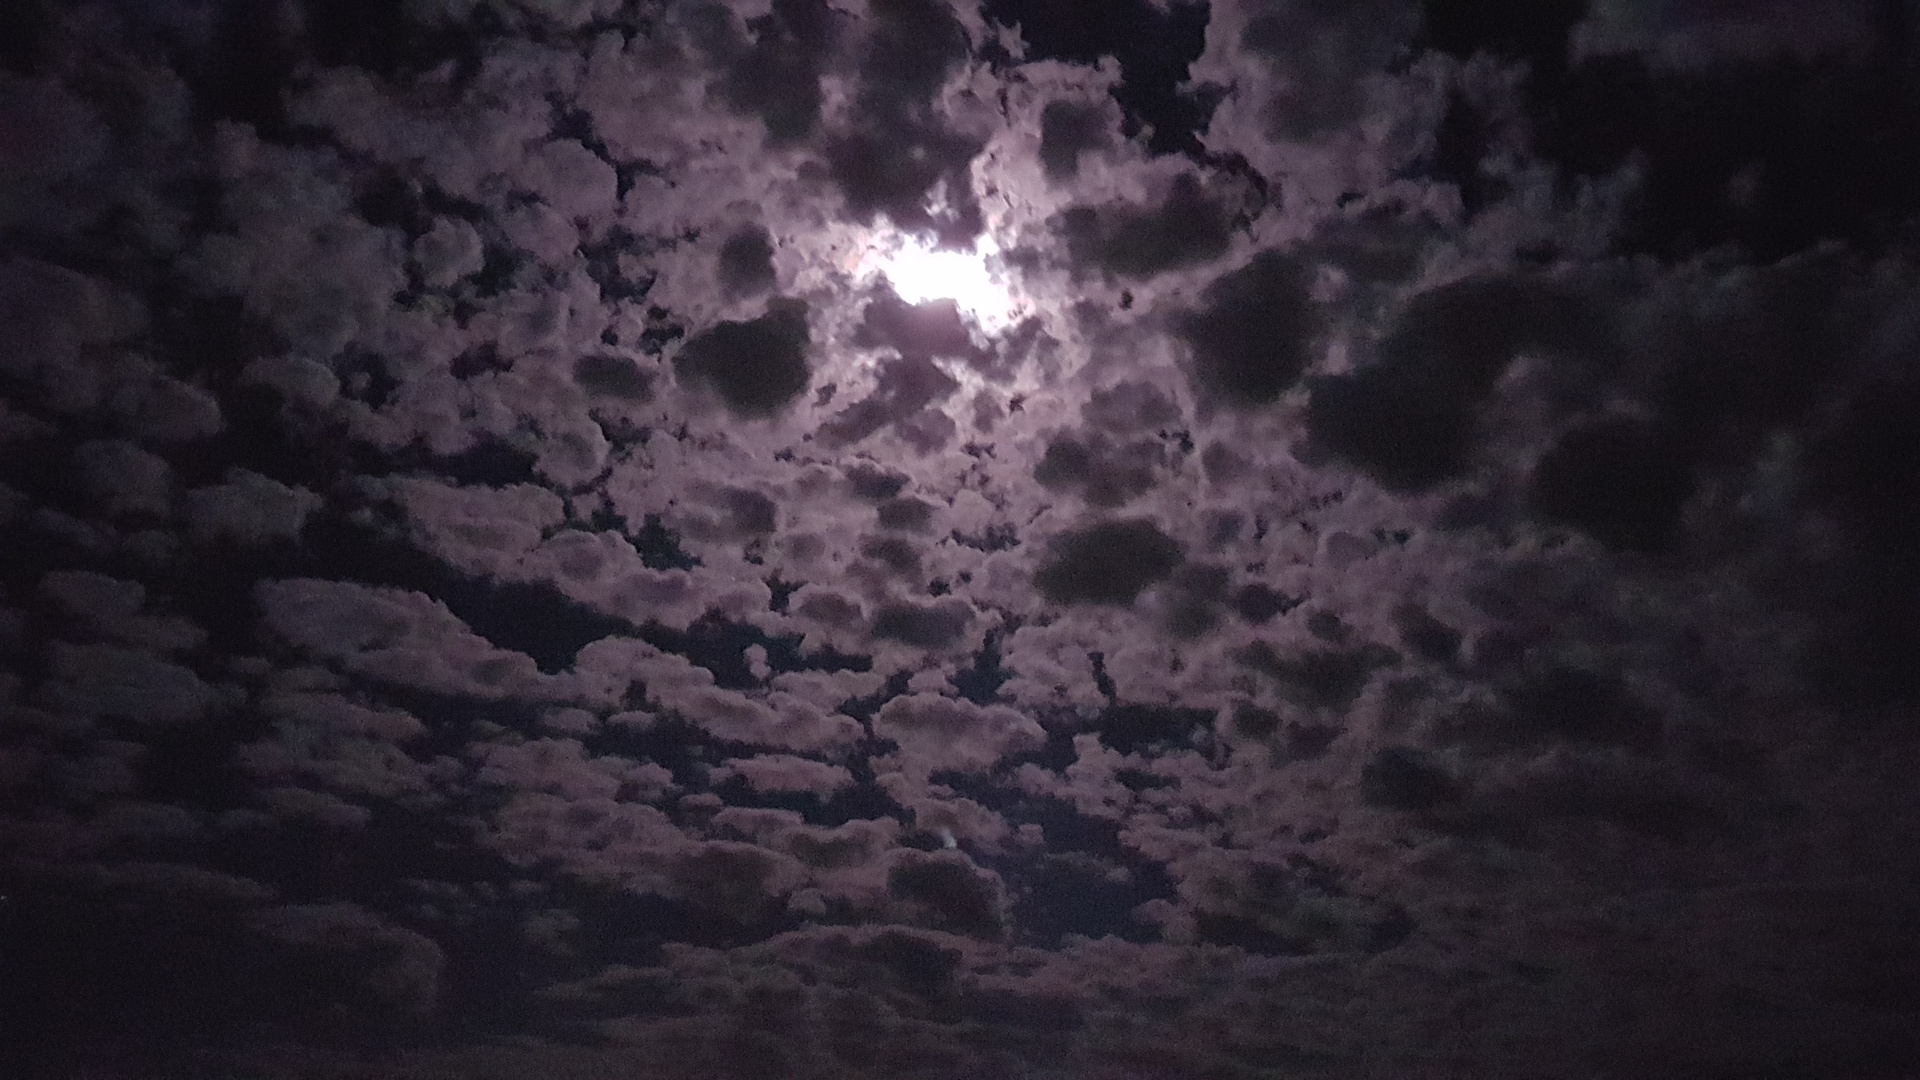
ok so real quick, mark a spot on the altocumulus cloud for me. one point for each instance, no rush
(928, 538)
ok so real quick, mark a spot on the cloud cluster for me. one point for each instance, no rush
(502, 579)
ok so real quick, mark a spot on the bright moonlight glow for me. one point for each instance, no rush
(918, 272)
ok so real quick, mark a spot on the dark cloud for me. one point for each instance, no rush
(1425, 635)
(739, 883)
(1319, 678)
(894, 553)
(1868, 466)
(928, 626)
(1773, 155)
(749, 513)
(1104, 473)
(827, 607)
(1760, 358)
(1321, 54)
(921, 965)
(1407, 418)
(1585, 788)
(906, 514)
(367, 34)
(1515, 29)
(1107, 563)
(1254, 721)
(1198, 590)
(605, 375)
(1293, 909)
(1154, 44)
(1867, 469)
(776, 76)
(897, 151)
(1623, 482)
(249, 64)
(746, 261)
(123, 683)
(906, 386)
(1067, 130)
(1190, 227)
(869, 481)
(931, 329)
(1130, 407)
(1257, 334)
(1407, 778)
(385, 966)
(892, 173)
(946, 891)
(756, 367)
(1560, 704)
(27, 27)
(1258, 603)
(1131, 728)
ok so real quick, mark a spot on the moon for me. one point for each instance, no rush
(975, 279)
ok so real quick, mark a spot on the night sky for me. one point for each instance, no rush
(1024, 540)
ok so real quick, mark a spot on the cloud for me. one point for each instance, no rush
(393, 967)
(1319, 678)
(124, 478)
(1318, 59)
(906, 386)
(780, 773)
(946, 891)
(562, 767)
(126, 684)
(464, 478)
(317, 807)
(746, 261)
(928, 626)
(1620, 482)
(394, 636)
(1188, 228)
(897, 149)
(926, 330)
(248, 509)
(936, 732)
(1068, 130)
(340, 744)
(776, 76)
(739, 883)
(1408, 417)
(617, 377)
(111, 607)
(1107, 563)
(756, 367)
(1104, 474)
(1692, 36)
(57, 134)
(1257, 333)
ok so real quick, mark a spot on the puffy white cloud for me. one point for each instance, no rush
(937, 732)
(781, 773)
